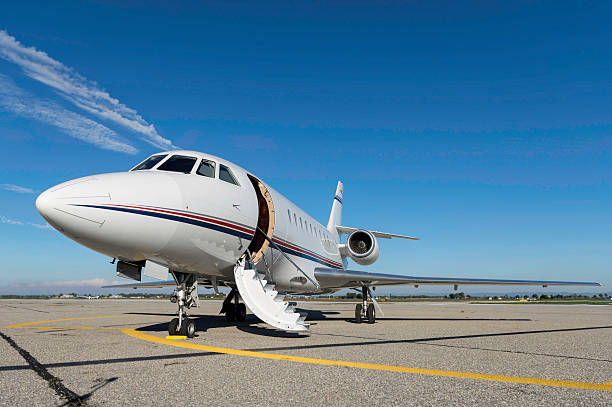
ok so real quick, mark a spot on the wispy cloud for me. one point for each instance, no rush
(92, 283)
(16, 188)
(52, 286)
(9, 221)
(4, 219)
(84, 93)
(39, 226)
(20, 102)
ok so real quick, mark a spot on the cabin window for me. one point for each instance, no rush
(289, 214)
(301, 224)
(225, 174)
(149, 162)
(206, 168)
(178, 163)
(295, 219)
(311, 229)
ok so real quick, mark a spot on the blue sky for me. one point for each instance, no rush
(483, 128)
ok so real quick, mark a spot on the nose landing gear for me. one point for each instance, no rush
(365, 311)
(185, 295)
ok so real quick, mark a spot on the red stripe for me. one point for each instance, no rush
(188, 215)
(300, 250)
(231, 226)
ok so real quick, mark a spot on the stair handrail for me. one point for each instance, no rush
(277, 247)
(252, 264)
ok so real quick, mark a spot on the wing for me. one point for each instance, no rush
(334, 278)
(203, 282)
(346, 230)
(149, 284)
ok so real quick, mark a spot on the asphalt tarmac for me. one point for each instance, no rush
(115, 353)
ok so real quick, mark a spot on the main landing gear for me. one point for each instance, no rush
(365, 311)
(185, 295)
(234, 311)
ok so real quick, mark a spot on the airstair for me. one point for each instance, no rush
(265, 302)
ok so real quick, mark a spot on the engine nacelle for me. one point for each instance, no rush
(362, 247)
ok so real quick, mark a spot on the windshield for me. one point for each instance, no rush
(178, 163)
(149, 162)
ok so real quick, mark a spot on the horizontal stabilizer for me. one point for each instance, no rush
(334, 278)
(346, 230)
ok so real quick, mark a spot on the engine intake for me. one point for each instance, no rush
(362, 247)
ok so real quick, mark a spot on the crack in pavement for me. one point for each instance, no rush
(54, 382)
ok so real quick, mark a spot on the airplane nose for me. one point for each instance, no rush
(44, 204)
(91, 211)
(53, 204)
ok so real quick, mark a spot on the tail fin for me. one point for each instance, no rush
(335, 217)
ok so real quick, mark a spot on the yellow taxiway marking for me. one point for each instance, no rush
(299, 359)
(27, 324)
(175, 337)
(444, 373)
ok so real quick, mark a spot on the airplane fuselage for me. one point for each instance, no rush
(199, 221)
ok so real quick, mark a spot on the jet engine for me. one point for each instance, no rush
(362, 247)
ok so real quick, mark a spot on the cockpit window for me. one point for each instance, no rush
(225, 174)
(149, 162)
(178, 163)
(207, 169)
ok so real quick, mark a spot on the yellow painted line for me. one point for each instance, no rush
(65, 319)
(443, 373)
(67, 327)
(175, 337)
(298, 359)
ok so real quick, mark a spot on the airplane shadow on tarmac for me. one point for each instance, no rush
(206, 322)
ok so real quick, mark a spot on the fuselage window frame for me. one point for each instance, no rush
(214, 168)
(229, 172)
(155, 163)
(172, 158)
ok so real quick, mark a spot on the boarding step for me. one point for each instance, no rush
(264, 301)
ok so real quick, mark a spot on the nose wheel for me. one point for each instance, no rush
(187, 328)
(185, 296)
(365, 312)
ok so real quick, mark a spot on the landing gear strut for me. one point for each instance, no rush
(236, 311)
(185, 295)
(365, 310)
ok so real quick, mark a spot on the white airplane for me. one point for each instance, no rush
(208, 222)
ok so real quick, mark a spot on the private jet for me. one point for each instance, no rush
(207, 222)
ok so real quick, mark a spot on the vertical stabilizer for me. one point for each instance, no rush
(335, 217)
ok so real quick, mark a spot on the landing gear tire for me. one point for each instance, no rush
(172, 327)
(358, 309)
(189, 327)
(240, 312)
(230, 313)
(371, 314)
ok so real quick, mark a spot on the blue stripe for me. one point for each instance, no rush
(207, 225)
(175, 218)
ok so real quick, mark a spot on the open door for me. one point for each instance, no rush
(265, 219)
